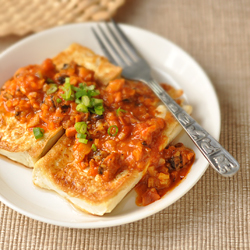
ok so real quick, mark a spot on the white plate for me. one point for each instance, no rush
(16, 188)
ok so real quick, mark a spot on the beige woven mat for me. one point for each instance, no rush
(23, 16)
(215, 214)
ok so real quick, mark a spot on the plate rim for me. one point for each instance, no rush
(121, 221)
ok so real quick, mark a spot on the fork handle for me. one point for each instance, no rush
(218, 157)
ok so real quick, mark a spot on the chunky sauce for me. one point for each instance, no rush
(162, 176)
(127, 134)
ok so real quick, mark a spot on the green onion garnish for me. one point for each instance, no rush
(83, 96)
(94, 92)
(95, 101)
(99, 110)
(120, 110)
(86, 101)
(67, 95)
(58, 100)
(67, 80)
(93, 147)
(82, 108)
(78, 101)
(52, 88)
(38, 132)
(75, 88)
(81, 127)
(85, 141)
(81, 136)
(91, 87)
(110, 130)
(80, 93)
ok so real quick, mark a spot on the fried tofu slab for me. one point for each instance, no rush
(103, 69)
(59, 172)
(19, 144)
(98, 133)
(17, 140)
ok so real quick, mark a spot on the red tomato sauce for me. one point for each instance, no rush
(173, 165)
(126, 136)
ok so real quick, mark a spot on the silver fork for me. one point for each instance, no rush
(135, 67)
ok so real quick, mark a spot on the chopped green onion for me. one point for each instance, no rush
(85, 141)
(92, 110)
(78, 101)
(81, 136)
(80, 93)
(67, 90)
(81, 85)
(111, 128)
(100, 107)
(91, 87)
(81, 127)
(52, 88)
(75, 88)
(94, 92)
(58, 100)
(95, 101)
(38, 132)
(93, 147)
(86, 101)
(67, 80)
(83, 97)
(82, 108)
(99, 110)
(120, 110)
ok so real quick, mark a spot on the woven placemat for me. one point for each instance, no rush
(24, 16)
(215, 213)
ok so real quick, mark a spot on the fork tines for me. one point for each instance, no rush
(114, 43)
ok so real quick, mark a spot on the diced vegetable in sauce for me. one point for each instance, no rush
(173, 164)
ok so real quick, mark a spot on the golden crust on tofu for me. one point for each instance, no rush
(58, 172)
(20, 145)
(104, 70)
